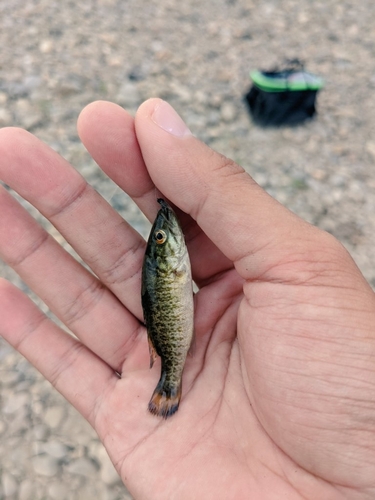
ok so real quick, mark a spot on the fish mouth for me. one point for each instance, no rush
(163, 203)
(166, 211)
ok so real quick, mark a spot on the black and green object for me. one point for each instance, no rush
(283, 97)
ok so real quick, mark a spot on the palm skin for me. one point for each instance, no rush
(278, 397)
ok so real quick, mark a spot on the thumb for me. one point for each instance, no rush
(249, 226)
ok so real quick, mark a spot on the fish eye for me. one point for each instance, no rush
(160, 236)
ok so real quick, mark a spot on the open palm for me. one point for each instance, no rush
(278, 398)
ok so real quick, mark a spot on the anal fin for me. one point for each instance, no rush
(153, 354)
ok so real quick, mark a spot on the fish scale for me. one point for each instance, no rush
(167, 301)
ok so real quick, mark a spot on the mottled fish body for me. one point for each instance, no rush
(167, 301)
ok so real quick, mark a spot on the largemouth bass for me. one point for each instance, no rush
(167, 301)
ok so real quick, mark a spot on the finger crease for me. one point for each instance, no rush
(84, 302)
(74, 198)
(125, 266)
(32, 326)
(30, 250)
(66, 361)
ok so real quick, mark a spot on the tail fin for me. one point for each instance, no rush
(165, 400)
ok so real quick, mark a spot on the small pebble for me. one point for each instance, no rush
(26, 490)
(54, 416)
(108, 473)
(40, 432)
(2, 427)
(228, 112)
(128, 95)
(15, 402)
(9, 484)
(46, 46)
(83, 467)
(9, 377)
(3, 98)
(44, 465)
(55, 449)
(58, 491)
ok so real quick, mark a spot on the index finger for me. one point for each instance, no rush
(105, 131)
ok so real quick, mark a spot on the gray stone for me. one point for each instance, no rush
(56, 449)
(26, 490)
(82, 466)
(228, 112)
(33, 120)
(6, 118)
(19, 89)
(108, 473)
(46, 46)
(40, 432)
(9, 484)
(54, 416)
(128, 95)
(3, 427)
(44, 465)
(15, 402)
(370, 148)
(71, 84)
(58, 491)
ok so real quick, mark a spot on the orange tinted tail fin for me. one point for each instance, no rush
(165, 400)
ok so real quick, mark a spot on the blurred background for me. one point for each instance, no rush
(56, 57)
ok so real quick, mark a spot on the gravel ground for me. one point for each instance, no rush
(58, 56)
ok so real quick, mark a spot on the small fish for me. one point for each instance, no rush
(167, 301)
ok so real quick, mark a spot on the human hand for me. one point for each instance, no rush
(278, 400)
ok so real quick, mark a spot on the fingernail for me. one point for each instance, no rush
(167, 119)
